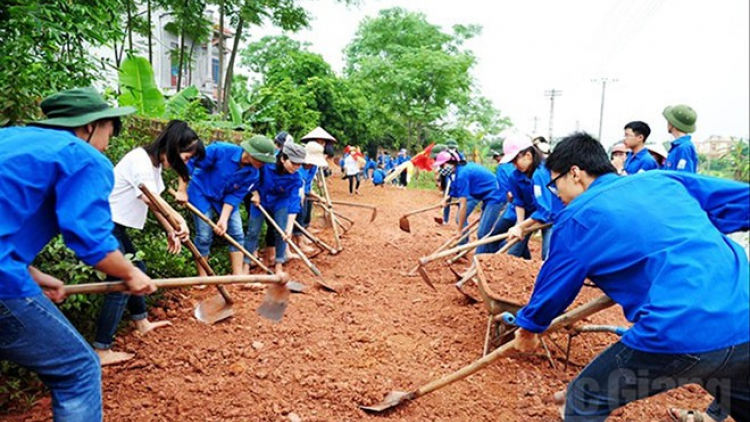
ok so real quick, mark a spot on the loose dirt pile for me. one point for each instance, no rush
(334, 352)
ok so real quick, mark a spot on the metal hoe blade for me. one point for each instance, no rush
(274, 303)
(393, 399)
(295, 287)
(403, 224)
(421, 270)
(213, 310)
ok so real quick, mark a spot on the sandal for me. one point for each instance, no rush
(682, 415)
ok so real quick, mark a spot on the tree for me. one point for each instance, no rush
(411, 71)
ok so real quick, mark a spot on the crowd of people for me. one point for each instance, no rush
(666, 261)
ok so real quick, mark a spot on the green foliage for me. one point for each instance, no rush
(139, 87)
(735, 164)
(416, 80)
(45, 48)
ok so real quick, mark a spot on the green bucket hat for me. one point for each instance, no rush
(260, 148)
(681, 116)
(78, 107)
(452, 143)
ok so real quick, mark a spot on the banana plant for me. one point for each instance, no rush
(138, 87)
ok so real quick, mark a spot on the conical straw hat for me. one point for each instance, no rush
(318, 133)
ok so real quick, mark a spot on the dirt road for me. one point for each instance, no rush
(334, 352)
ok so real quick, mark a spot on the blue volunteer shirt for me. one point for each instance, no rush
(51, 182)
(308, 175)
(378, 177)
(547, 204)
(680, 281)
(278, 190)
(474, 181)
(637, 163)
(503, 173)
(522, 189)
(682, 155)
(220, 178)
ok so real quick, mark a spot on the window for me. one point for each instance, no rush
(215, 69)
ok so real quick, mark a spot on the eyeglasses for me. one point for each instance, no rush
(552, 185)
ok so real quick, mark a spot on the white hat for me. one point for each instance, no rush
(657, 148)
(318, 133)
(315, 155)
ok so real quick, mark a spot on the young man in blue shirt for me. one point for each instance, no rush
(682, 154)
(678, 278)
(638, 159)
(54, 180)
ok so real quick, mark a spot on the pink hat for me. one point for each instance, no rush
(619, 147)
(443, 158)
(513, 145)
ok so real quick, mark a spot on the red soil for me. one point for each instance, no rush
(334, 352)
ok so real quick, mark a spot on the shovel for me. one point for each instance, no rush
(297, 250)
(396, 398)
(291, 285)
(403, 222)
(211, 310)
(352, 204)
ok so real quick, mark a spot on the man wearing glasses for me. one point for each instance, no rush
(690, 314)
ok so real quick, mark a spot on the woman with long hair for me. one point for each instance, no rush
(174, 146)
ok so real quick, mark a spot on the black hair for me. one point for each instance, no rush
(280, 158)
(280, 138)
(639, 128)
(174, 140)
(536, 156)
(582, 150)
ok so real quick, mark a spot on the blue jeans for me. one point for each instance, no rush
(546, 236)
(36, 335)
(621, 375)
(204, 234)
(254, 224)
(492, 215)
(115, 303)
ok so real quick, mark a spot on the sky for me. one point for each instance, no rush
(653, 53)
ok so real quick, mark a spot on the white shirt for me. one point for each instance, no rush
(351, 166)
(134, 169)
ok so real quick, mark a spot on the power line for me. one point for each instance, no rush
(552, 93)
(601, 109)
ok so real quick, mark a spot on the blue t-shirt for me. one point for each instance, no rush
(522, 189)
(278, 190)
(378, 177)
(503, 173)
(643, 161)
(474, 181)
(547, 204)
(680, 281)
(682, 155)
(52, 182)
(220, 178)
(308, 175)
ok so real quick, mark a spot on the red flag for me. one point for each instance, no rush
(423, 161)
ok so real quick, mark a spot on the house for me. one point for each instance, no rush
(202, 71)
(716, 146)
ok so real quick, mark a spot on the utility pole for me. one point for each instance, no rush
(601, 110)
(536, 121)
(552, 93)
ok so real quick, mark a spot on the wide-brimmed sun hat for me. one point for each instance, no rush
(681, 116)
(315, 155)
(658, 149)
(318, 133)
(78, 107)
(513, 145)
(260, 148)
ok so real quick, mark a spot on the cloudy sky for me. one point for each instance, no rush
(653, 52)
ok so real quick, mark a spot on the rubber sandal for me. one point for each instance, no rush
(686, 415)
